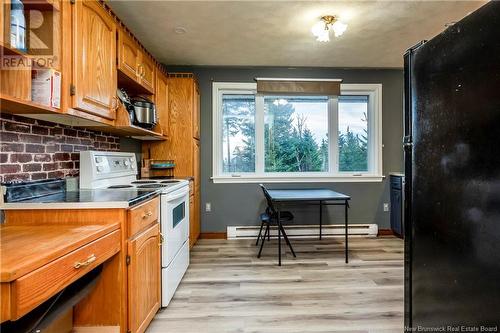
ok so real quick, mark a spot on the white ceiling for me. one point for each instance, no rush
(277, 33)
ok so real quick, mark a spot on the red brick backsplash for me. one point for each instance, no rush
(36, 149)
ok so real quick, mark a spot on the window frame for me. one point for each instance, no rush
(374, 174)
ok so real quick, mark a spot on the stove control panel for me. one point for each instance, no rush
(99, 168)
(114, 164)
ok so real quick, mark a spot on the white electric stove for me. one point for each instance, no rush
(117, 170)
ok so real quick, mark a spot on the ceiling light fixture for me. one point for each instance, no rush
(322, 29)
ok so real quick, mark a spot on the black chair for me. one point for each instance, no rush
(270, 217)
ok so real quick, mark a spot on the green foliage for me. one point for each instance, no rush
(289, 145)
(239, 118)
(353, 150)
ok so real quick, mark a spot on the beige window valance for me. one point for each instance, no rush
(286, 86)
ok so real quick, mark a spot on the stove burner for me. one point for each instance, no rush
(144, 182)
(169, 181)
(151, 186)
(120, 186)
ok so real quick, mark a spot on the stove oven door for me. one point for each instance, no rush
(174, 222)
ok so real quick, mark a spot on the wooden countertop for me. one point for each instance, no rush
(26, 248)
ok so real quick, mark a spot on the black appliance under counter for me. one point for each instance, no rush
(100, 198)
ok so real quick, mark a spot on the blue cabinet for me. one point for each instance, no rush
(397, 201)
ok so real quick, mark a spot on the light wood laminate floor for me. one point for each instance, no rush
(227, 289)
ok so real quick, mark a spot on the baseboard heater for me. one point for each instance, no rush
(305, 231)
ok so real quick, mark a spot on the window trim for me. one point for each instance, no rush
(374, 91)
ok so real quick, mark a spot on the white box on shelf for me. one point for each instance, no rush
(46, 87)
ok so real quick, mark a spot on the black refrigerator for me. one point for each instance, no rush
(452, 168)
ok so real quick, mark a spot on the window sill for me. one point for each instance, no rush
(297, 179)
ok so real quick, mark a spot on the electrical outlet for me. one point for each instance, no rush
(386, 207)
(208, 207)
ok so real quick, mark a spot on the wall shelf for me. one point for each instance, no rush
(123, 127)
(18, 106)
(42, 5)
(8, 50)
(133, 132)
(30, 109)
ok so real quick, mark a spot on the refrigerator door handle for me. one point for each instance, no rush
(407, 142)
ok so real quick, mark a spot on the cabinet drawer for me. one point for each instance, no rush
(34, 288)
(143, 215)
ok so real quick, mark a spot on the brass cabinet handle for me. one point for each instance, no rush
(116, 103)
(148, 214)
(141, 71)
(85, 263)
(162, 239)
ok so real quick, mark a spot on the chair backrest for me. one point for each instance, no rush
(270, 205)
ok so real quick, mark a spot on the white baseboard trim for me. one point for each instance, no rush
(305, 231)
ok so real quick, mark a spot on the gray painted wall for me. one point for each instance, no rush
(240, 204)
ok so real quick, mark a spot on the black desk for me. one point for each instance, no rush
(323, 196)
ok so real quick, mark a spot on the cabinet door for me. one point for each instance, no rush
(144, 279)
(94, 60)
(197, 181)
(197, 221)
(128, 55)
(196, 112)
(396, 211)
(3, 23)
(161, 101)
(196, 165)
(147, 72)
(192, 219)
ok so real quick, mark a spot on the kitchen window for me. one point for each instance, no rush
(295, 138)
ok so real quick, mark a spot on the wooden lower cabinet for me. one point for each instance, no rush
(144, 278)
(127, 295)
(192, 219)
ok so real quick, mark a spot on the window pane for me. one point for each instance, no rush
(238, 133)
(296, 133)
(353, 133)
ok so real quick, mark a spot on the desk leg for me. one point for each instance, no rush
(279, 236)
(346, 205)
(320, 219)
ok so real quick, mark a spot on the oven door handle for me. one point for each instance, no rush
(175, 197)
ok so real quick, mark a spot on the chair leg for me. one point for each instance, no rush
(260, 233)
(287, 241)
(263, 241)
(268, 235)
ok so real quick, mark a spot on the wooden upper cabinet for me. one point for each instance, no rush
(3, 23)
(196, 112)
(144, 274)
(128, 55)
(147, 71)
(94, 60)
(136, 64)
(161, 102)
